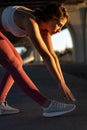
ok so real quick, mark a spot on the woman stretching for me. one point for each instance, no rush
(39, 25)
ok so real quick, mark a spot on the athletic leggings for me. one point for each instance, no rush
(12, 62)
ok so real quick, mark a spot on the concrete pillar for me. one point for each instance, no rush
(37, 57)
(83, 12)
(78, 32)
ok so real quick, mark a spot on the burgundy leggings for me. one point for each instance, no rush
(12, 62)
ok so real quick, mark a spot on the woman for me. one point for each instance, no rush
(39, 25)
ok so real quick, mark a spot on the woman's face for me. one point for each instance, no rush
(55, 25)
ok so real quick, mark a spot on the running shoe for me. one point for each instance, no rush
(5, 109)
(57, 109)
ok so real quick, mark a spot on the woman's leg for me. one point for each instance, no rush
(7, 80)
(12, 64)
(5, 85)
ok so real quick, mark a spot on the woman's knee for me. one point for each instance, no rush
(19, 59)
(21, 62)
(15, 62)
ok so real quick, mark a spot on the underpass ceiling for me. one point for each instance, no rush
(40, 3)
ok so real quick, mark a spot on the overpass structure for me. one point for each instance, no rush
(78, 29)
(77, 24)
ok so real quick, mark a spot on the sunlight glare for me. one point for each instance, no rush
(62, 40)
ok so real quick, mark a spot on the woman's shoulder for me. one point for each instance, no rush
(26, 11)
(24, 8)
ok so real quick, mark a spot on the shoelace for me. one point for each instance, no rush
(57, 105)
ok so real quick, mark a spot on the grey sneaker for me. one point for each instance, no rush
(57, 109)
(5, 109)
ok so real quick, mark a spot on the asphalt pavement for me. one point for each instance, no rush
(30, 116)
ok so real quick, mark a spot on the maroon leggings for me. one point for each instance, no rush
(12, 62)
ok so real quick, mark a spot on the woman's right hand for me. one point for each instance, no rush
(67, 92)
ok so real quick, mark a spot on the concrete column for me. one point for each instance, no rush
(83, 12)
(76, 33)
(37, 57)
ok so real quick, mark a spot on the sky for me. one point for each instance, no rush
(61, 41)
(19, 49)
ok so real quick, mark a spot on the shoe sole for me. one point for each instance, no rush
(54, 114)
(8, 113)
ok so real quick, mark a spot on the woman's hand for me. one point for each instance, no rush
(67, 92)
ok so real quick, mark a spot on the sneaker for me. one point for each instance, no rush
(5, 109)
(57, 109)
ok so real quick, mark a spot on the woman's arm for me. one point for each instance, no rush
(48, 41)
(33, 31)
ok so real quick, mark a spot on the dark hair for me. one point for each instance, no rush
(51, 11)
